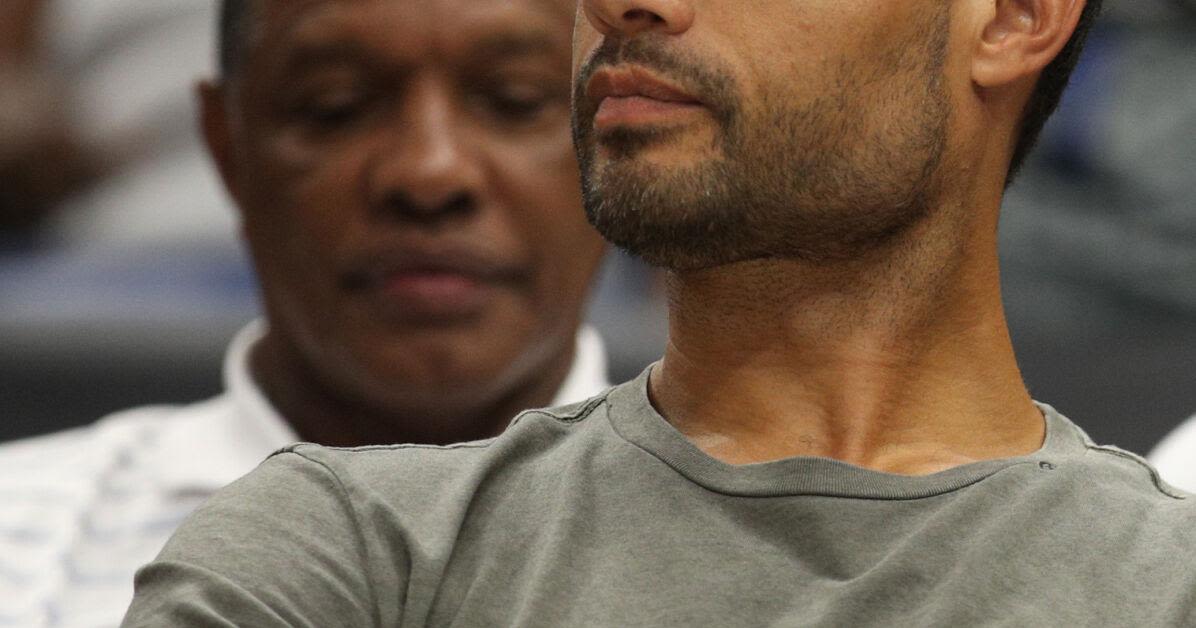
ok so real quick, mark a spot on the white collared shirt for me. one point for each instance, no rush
(81, 511)
(1175, 457)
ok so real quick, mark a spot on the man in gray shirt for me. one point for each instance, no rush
(837, 434)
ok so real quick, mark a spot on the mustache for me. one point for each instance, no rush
(714, 88)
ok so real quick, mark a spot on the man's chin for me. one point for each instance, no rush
(651, 164)
(666, 248)
(435, 394)
(679, 235)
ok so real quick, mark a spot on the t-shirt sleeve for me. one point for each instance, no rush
(280, 547)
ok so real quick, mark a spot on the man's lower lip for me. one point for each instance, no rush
(639, 110)
(433, 296)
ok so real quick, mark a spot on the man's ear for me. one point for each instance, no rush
(1020, 38)
(215, 126)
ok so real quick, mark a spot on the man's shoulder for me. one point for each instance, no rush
(1096, 472)
(546, 434)
(1131, 471)
(543, 452)
(389, 501)
(1131, 497)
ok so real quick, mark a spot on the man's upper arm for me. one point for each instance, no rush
(280, 547)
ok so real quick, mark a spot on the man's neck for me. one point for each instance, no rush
(327, 415)
(901, 363)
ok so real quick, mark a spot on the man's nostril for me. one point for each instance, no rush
(636, 15)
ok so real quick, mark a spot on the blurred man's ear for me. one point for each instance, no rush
(1020, 38)
(216, 129)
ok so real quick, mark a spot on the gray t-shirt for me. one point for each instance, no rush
(601, 514)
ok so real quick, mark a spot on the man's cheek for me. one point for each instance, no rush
(316, 179)
(292, 153)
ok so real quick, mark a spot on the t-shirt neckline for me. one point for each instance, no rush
(633, 417)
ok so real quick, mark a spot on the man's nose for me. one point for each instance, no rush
(427, 169)
(632, 17)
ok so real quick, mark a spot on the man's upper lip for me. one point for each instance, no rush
(627, 81)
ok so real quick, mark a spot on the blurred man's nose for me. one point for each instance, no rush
(631, 17)
(427, 169)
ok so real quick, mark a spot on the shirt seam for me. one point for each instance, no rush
(260, 604)
(359, 535)
(396, 447)
(1157, 479)
(779, 495)
(582, 413)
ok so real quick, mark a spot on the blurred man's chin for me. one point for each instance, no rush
(448, 390)
(447, 359)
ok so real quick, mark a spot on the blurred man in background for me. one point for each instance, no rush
(410, 200)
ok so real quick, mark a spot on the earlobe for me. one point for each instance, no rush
(1020, 38)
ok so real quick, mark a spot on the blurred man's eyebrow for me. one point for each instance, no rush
(516, 44)
(306, 55)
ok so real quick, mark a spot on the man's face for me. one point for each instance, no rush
(409, 192)
(712, 132)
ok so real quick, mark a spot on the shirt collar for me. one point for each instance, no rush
(207, 445)
(210, 444)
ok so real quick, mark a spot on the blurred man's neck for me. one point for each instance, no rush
(900, 362)
(323, 414)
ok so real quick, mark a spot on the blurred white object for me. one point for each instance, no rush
(134, 65)
(1175, 457)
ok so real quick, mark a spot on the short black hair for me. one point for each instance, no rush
(236, 18)
(1049, 91)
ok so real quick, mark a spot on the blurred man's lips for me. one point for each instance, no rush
(635, 97)
(431, 288)
(436, 293)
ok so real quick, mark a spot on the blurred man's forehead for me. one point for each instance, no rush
(279, 14)
(500, 26)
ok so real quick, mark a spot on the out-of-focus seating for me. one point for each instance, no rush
(1099, 234)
